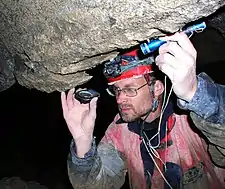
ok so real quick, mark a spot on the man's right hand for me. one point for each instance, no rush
(177, 59)
(80, 119)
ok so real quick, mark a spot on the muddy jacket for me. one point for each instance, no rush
(208, 114)
(215, 133)
(121, 151)
(208, 101)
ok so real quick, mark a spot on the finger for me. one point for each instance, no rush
(70, 98)
(75, 101)
(64, 103)
(166, 58)
(183, 40)
(93, 107)
(174, 49)
(168, 70)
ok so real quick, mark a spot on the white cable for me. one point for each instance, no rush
(164, 97)
(164, 105)
(168, 98)
(166, 145)
(160, 118)
(157, 165)
(153, 148)
(154, 151)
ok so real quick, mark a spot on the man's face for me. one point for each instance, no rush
(131, 108)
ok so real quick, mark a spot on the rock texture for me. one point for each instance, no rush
(7, 65)
(217, 20)
(17, 183)
(54, 42)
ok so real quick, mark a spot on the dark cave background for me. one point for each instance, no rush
(34, 139)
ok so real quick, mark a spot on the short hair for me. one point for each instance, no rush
(155, 75)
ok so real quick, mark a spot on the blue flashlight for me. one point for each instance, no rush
(154, 44)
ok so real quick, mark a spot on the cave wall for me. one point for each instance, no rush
(54, 43)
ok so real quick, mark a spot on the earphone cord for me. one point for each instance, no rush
(143, 122)
(152, 149)
(142, 125)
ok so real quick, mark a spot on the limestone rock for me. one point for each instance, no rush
(7, 78)
(17, 183)
(217, 21)
(55, 42)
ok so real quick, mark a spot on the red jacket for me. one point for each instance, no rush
(188, 150)
(119, 153)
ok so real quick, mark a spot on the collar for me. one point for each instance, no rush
(153, 126)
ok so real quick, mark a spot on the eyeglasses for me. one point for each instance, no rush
(128, 91)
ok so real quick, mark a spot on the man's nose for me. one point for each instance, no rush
(121, 97)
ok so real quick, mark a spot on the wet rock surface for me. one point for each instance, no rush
(54, 43)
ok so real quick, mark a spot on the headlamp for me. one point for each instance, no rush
(122, 64)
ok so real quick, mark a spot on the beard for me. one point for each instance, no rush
(131, 114)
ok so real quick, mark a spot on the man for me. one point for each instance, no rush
(177, 59)
(199, 94)
(155, 146)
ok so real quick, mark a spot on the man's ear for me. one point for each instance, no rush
(158, 88)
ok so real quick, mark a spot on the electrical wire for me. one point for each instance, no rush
(163, 108)
(153, 148)
(157, 165)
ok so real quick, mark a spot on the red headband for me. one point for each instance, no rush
(133, 72)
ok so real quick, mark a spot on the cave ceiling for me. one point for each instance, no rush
(50, 45)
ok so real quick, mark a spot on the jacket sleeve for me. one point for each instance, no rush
(215, 133)
(102, 167)
(208, 101)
